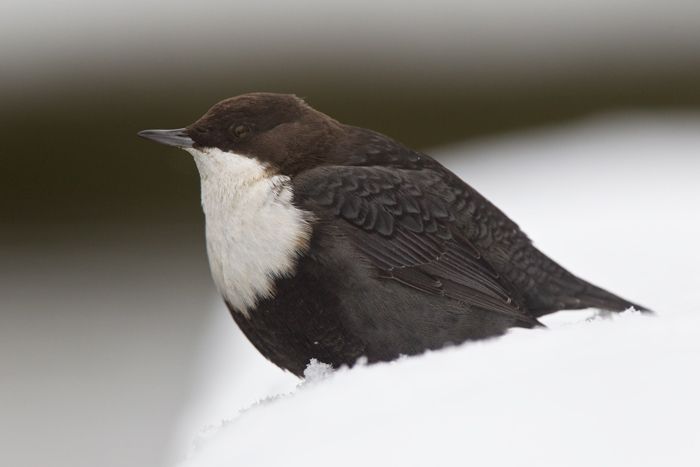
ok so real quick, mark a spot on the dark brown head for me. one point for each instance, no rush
(276, 129)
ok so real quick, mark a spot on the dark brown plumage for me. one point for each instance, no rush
(403, 257)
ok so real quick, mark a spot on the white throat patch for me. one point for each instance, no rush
(254, 232)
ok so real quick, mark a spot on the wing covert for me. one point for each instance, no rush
(403, 223)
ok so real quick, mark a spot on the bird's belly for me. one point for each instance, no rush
(337, 311)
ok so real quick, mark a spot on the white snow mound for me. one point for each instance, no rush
(599, 392)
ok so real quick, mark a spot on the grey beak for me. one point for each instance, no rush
(170, 137)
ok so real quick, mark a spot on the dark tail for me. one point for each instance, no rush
(588, 296)
(598, 298)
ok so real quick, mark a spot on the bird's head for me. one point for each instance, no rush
(277, 130)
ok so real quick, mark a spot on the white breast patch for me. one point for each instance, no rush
(254, 232)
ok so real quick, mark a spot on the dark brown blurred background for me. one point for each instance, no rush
(82, 80)
(74, 156)
(104, 284)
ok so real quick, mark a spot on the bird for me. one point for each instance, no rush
(337, 243)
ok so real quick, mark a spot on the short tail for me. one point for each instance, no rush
(595, 297)
(589, 296)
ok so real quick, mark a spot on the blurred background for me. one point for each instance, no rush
(105, 293)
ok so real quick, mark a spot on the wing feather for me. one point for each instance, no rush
(395, 219)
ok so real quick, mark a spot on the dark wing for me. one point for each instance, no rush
(537, 282)
(403, 222)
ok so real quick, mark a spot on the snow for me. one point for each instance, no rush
(615, 200)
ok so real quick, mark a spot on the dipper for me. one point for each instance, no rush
(333, 242)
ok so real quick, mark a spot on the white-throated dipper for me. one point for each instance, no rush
(334, 242)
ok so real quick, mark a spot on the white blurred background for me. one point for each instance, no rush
(114, 346)
(495, 43)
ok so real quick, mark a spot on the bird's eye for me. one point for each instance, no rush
(241, 131)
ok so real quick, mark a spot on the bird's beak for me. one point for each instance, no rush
(170, 137)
